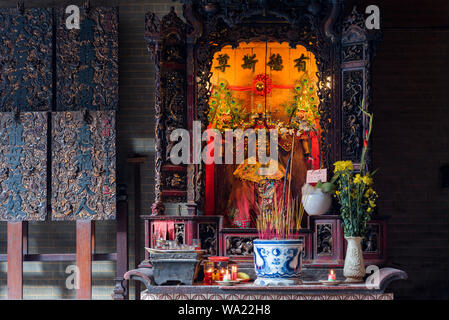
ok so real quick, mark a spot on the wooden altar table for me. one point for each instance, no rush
(247, 291)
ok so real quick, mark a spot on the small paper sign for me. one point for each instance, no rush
(313, 176)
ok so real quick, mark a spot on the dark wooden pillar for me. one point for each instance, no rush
(25, 237)
(137, 161)
(191, 39)
(121, 291)
(15, 260)
(154, 43)
(148, 237)
(84, 248)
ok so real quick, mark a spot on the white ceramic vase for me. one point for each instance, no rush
(354, 269)
(315, 201)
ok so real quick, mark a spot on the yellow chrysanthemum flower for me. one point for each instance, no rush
(357, 178)
(367, 180)
(370, 192)
(343, 165)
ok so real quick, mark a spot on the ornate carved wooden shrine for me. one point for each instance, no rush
(192, 55)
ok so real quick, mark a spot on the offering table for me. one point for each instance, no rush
(309, 290)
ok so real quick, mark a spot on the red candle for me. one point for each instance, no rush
(208, 276)
(233, 272)
(222, 273)
(332, 276)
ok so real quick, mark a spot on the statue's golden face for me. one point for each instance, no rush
(260, 86)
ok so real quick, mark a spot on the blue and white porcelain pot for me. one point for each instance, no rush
(278, 262)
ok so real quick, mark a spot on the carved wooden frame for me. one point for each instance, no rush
(305, 31)
(211, 26)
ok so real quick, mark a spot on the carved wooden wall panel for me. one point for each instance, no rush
(208, 235)
(23, 166)
(239, 245)
(26, 59)
(166, 40)
(353, 52)
(371, 241)
(357, 48)
(173, 83)
(180, 233)
(174, 115)
(83, 165)
(87, 61)
(352, 116)
(324, 239)
(173, 180)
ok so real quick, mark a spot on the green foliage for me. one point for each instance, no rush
(327, 187)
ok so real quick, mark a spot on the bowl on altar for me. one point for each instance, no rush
(278, 262)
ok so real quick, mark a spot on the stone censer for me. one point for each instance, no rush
(174, 266)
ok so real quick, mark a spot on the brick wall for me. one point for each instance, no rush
(410, 144)
(412, 114)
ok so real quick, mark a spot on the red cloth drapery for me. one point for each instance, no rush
(209, 206)
(315, 152)
(164, 228)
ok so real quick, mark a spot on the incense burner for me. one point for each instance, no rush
(180, 267)
(278, 262)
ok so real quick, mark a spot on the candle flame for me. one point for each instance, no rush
(332, 271)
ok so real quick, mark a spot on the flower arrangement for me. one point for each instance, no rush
(355, 191)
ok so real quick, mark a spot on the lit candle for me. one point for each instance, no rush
(215, 275)
(233, 272)
(208, 276)
(222, 273)
(332, 276)
(227, 276)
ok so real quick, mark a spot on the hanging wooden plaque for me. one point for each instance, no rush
(87, 61)
(26, 59)
(23, 166)
(83, 165)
